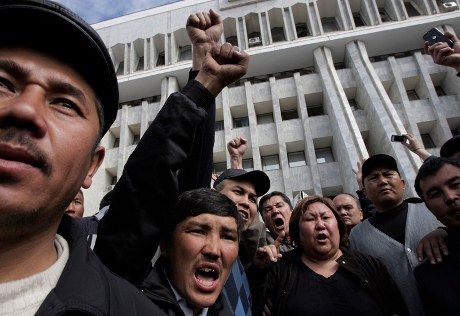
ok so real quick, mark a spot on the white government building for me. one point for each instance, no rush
(329, 82)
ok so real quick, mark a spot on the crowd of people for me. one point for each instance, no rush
(221, 252)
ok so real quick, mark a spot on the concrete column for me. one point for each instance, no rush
(282, 154)
(400, 10)
(289, 26)
(380, 112)
(144, 117)
(313, 19)
(265, 31)
(370, 12)
(228, 121)
(126, 60)
(146, 54)
(254, 141)
(123, 140)
(348, 143)
(398, 95)
(309, 146)
(344, 16)
(441, 131)
(153, 54)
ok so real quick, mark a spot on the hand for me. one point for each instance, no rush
(359, 173)
(443, 55)
(431, 245)
(267, 257)
(237, 146)
(222, 65)
(214, 177)
(268, 308)
(413, 144)
(204, 30)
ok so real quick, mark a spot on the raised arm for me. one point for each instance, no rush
(415, 147)
(146, 193)
(443, 55)
(236, 148)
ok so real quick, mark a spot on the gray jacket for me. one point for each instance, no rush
(399, 259)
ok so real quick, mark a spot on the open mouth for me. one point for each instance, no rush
(322, 237)
(206, 276)
(244, 214)
(279, 223)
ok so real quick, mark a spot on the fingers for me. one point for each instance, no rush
(451, 36)
(432, 245)
(355, 171)
(216, 18)
(214, 176)
(193, 20)
(279, 240)
(426, 46)
(202, 20)
(420, 252)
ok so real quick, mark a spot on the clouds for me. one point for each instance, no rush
(93, 11)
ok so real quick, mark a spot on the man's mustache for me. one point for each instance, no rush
(24, 140)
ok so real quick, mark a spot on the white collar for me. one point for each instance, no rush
(183, 303)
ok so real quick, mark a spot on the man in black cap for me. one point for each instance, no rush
(393, 234)
(58, 97)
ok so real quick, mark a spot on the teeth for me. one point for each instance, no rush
(208, 270)
(205, 283)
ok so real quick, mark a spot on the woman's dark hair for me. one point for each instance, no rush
(203, 201)
(301, 207)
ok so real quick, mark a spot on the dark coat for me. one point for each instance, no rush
(440, 284)
(277, 283)
(86, 287)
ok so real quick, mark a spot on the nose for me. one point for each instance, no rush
(212, 247)
(24, 112)
(451, 196)
(320, 225)
(244, 201)
(70, 207)
(383, 181)
(276, 210)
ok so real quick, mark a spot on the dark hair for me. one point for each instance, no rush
(302, 206)
(203, 201)
(81, 192)
(430, 168)
(106, 200)
(269, 196)
(356, 200)
(220, 186)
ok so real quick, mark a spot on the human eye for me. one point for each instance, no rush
(434, 194)
(253, 199)
(67, 104)
(230, 237)
(5, 85)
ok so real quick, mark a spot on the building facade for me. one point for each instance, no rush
(329, 82)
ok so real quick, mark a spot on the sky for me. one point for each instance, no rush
(93, 11)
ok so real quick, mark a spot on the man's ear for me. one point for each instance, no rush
(361, 215)
(163, 248)
(404, 184)
(99, 155)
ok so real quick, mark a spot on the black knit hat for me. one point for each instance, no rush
(51, 28)
(258, 178)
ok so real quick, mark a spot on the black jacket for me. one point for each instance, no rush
(277, 283)
(157, 289)
(440, 284)
(86, 287)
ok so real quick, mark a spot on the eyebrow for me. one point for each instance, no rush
(13, 68)
(448, 181)
(18, 71)
(208, 227)
(244, 190)
(63, 87)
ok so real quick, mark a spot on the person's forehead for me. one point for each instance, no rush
(443, 175)
(245, 184)
(211, 220)
(274, 200)
(345, 199)
(380, 170)
(317, 207)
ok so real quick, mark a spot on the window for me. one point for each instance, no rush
(248, 164)
(329, 25)
(116, 142)
(161, 59)
(324, 155)
(219, 125)
(232, 40)
(265, 118)
(315, 110)
(427, 141)
(219, 167)
(185, 53)
(455, 132)
(338, 66)
(270, 162)
(240, 122)
(289, 115)
(353, 105)
(278, 34)
(411, 10)
(412, 95)
(358, 19)
(254, 39)
(296, 159)
(439, 91)
(113, 181)
(140, 64)
(136, 139)
(121, 68)
(302, 29)
(384, 15)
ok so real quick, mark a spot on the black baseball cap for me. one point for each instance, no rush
(258, 178)
(380, 160)
(450, 147)
(53, 29)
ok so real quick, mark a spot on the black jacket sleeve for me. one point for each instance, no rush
(145, 195)
(197, 170)
(366, 205)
